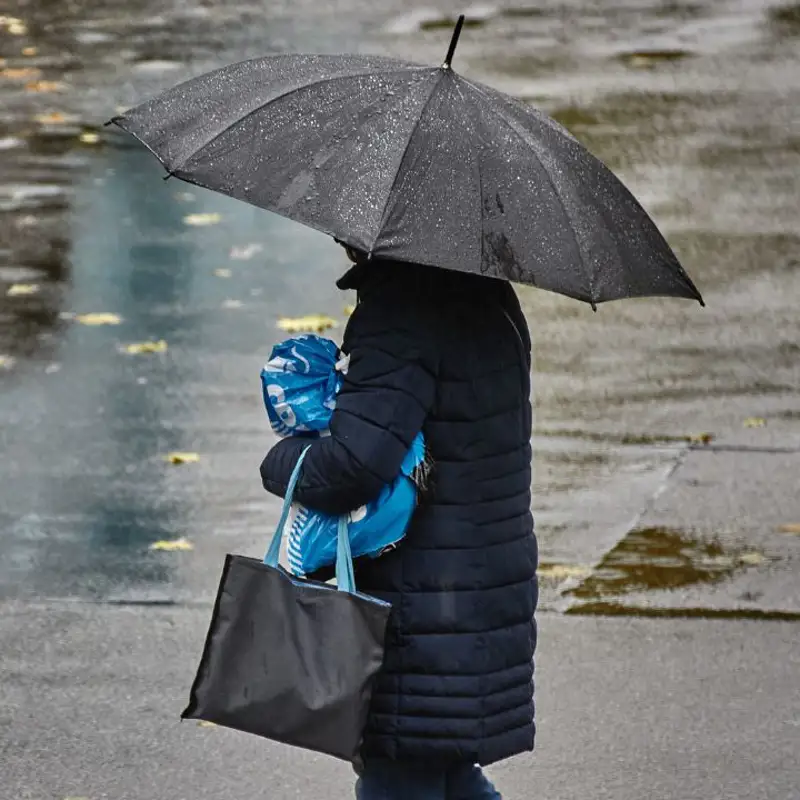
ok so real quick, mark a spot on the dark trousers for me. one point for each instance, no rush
(381, 779)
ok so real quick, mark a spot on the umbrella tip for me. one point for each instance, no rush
(453, 42)
(697, 295)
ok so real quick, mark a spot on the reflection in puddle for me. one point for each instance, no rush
(31, 298)
(19, 197)
(12, 275)
(658, 558)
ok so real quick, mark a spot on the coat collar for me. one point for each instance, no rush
(354, 277)
(378, 273)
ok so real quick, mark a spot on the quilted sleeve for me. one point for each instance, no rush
(389, 389)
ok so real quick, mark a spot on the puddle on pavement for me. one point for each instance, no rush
(660, 559)
(657, 559)
(603, 609)
(679, 10)
(650, 59)
(446, 22)
(786, 18)
(522, 12)
(654, 439)
(575, 118)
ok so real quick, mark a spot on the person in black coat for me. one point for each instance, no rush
(449, 354)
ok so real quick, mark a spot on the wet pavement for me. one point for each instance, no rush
(694, 105)
(667, 438)
(627, 709)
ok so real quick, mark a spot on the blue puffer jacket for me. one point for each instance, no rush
(437, 351)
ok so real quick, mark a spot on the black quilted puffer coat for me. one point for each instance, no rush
(449, 354)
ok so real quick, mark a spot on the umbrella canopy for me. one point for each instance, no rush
(413, 163)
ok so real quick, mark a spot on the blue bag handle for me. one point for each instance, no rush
(345, 577)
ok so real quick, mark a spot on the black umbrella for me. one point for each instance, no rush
(413, 163)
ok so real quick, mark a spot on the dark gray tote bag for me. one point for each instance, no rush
(289, 659)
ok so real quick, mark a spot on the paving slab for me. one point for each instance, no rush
(628, 709)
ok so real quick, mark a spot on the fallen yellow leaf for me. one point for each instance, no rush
(721, 561)
(641, 62)
(6, 362)
(172, 545)
(223, 273)
(21, 73)
(563, 571)
(791, 527)
(22, 289)
(202, 219)
(700, 438)
(348, 310)
(182, 458)
(89, 137)
(14, 25)
(751, 558)
(755, 422)
(29, 51)
(52, 118)
(136, 348)
(204, 723)
(316, 323)
(44, 86)
(99, 318)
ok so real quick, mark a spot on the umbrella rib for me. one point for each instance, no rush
(385, 212)
(520, 132)
(477, 163)
(287, 93)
